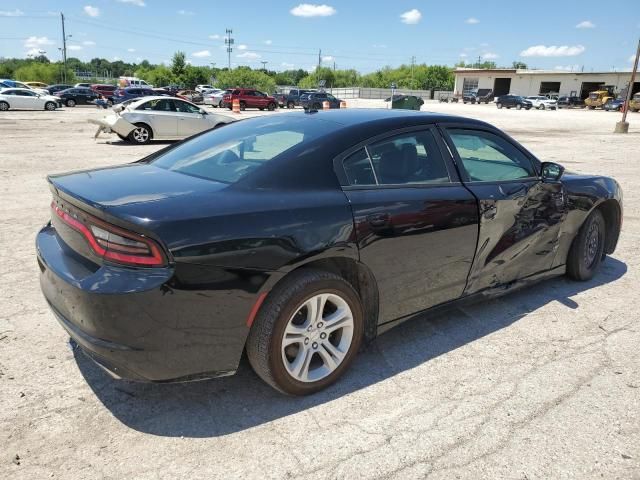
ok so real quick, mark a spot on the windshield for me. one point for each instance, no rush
(593, 95)
(228, 154)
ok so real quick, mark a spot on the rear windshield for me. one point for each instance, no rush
(227, 154)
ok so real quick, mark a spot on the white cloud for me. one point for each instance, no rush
(553, 51)
(567, 68)
(137, 3)
(214, 37)
(472, 21)
(37, 42)
(586, 24)
(411, 17)
(490, 56)
(463, 55)
(202, 54)
(328, 59)
(116, 59)
(287, 65)
(34, 52)
(311, 10)
(138, 59)
(74, 48)
(268, 42)
(249, 55)
(187, 13)
(131, 50)
(89, 43)
(11, 13)
(91, 11)
(242, 47)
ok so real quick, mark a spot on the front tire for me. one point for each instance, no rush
(291, 105)
(243, 106)
(71, 103)
(306, 333)
(141, 134)
(586, 253)
(498, 105)
(50, 106)
(271, 107)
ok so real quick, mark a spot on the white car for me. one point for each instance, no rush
(542, 103)
(200, 88)
(26, 99)
(164, 118)
(214, 99)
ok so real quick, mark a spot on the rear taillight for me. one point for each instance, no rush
(113, 243)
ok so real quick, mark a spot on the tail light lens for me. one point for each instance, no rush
(113, 243)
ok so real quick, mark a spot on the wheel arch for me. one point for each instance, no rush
(145, 124)
(357, 274)
(612, 214)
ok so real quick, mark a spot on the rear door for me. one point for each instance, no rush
(416, 224)
(520, 216)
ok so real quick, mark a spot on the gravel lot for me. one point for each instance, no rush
(541, 384)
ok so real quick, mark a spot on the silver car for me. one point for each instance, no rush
(158, 118)
(215, 98)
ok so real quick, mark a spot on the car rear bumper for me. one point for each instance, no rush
(141, 324)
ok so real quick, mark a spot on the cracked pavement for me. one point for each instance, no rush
(543, 383)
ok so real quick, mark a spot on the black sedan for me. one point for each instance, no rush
(315, 100)
(516, 101)
(54, 89)
(297, 237)
(78, 96)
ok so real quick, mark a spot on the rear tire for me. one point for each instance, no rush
(498, 105)
(70, 103)
(291, 105)
(518, 107)
(4, 106)
(319, 348)
(586, 253)
(243, 106)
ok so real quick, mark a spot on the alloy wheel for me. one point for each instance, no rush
(141, 135)
(317, 337)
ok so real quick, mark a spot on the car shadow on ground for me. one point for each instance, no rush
(126, 143)
(226, 405)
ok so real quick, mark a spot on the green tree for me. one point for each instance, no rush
(519, 65)
(245, 77)
(178, 63)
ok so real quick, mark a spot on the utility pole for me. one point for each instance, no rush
(319, 64)
(264, 65)
(64, 50)
(623, 126)
(334, 66)
(479, 60)
(413, 62)
(229, 43)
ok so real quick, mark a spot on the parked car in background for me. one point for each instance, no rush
(634, 104)
(190, 95)
(292, 99)
(8, 83)
(200, 88)
(542, 103)
(614, 105)
(478, 96)
(281, 99)
(37, 85)
(26, 99)
(249, 98)
(78, 96)
(122, 94)
(405, 102)
(172, 89)
(296, 239)
(106, 90)
(567, 101)
(214, 99)
(159, 118)
(54, 89)
(513, 101)
(82, 85)
(315, 100)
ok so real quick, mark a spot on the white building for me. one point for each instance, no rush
(534, 82)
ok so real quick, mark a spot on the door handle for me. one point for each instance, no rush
(515, 192)
(378, 219)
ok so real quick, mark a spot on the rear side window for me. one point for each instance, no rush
(233, 152)
(410, 158)
(487, 157)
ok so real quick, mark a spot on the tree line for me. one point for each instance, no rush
(180, 72)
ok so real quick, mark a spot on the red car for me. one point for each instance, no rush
(249, 98)
(106, 90)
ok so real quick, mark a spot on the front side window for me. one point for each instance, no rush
(411, 158)
(487, 157)
(185, 107)
(159, 105)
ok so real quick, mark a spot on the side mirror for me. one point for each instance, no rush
(203, 112)
(551, 172)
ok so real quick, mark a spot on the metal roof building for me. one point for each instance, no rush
(535, 82)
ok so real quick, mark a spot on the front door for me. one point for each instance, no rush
(190, 119)
(520, 215)
(162, 117)
(416, 224)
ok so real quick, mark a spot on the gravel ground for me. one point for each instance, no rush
(541, 384)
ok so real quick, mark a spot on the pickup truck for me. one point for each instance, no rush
(478, 96)
(292, 99)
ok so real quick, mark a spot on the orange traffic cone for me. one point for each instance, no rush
(325, 105)
(236, 105)
(343, 104)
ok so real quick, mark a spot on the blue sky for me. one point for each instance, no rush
(358, 34)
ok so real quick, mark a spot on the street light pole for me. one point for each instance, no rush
(64, 50)
(623, 126)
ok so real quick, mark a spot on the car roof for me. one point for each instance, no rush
(16, 88)
(148, 98)
(363, 116)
